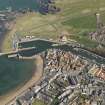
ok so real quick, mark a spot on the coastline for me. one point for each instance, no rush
(33, 81)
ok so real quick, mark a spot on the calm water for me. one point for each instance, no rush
(14, 72)
(19, 4)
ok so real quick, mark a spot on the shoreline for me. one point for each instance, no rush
(7, 98)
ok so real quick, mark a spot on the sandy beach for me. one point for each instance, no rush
(34, 80)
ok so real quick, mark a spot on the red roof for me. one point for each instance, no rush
(101, 74)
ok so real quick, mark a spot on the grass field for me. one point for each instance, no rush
(38, 102)
(76, 17)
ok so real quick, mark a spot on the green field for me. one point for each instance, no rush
(77, 17)
(38, 102)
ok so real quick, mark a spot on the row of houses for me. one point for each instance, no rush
(98, 71)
